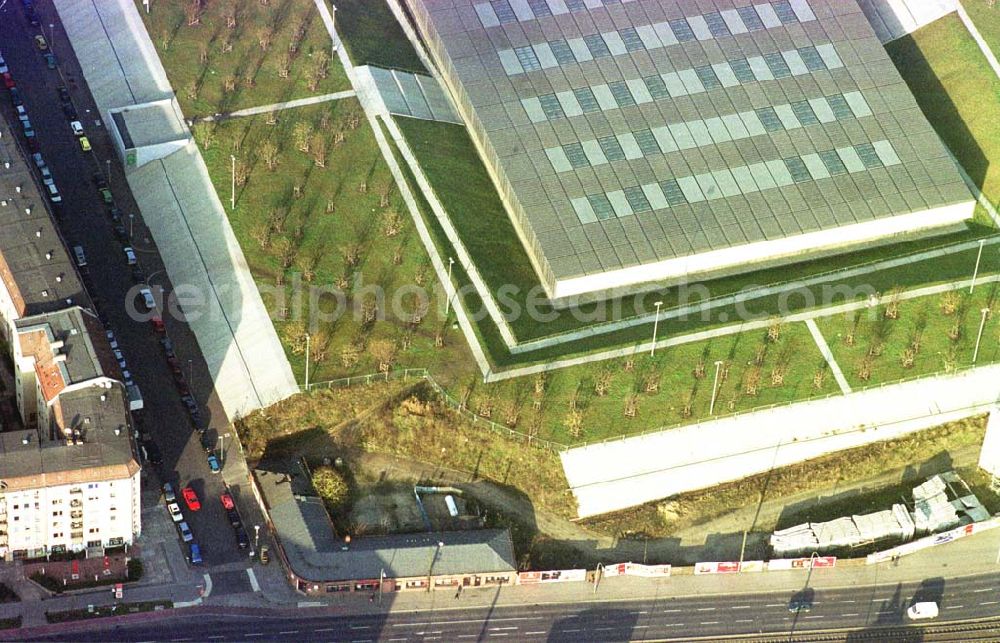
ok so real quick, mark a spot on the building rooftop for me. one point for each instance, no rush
(314, 552)
(150, 123)
(68, 347)
(34, 263)
(99, 446)
(651, 139)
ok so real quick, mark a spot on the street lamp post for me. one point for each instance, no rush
(131, 224)
(430, 570)
(656, 323)
(232, 191)
(381, 581)
(715, 387)
(256, 537)
(222, 447)
(979, 337)
(598, 573)
(333, 24)
(191, 374)
(447, 305)
(975, 271)
(107, 164)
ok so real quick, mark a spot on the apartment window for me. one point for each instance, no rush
(551, 107)
(682, 30)
(785, 13)
(657, 88)
(588, 102)
(612, 148)
(631, 39)
(750, 18)
(812, 59)
(707, 77)
(637, 199)
(504, 11)
(621, 93)
(56, 513)
(797, 168)
(57, 535)
(776, 63)
(117, 540)
(562, 52)
(93, 530)
(833, 162)
(602, 207)
(647, 142)
(526, 56)
(840, 107)
(598, 48)
(576, 5)
(770, 119)
(76, 535)
(58, 501)
(716, 24)
(540, 8)
(93, 544)
(672, 190)
(577, 157)
(868, 155)
(804, 112)
(741, 67)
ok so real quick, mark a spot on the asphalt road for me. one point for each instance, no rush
(84, 221)
(858, 608)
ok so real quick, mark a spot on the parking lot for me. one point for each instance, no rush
(96, 213)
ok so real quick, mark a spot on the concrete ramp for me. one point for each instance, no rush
(892, 19)
(183, 212)
(624, 473)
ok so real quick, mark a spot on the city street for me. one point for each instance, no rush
(84, 220)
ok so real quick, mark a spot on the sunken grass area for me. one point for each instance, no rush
(957, 90)
(243, 53)
(373, 36)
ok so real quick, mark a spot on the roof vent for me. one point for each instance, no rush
(58, 279)
(17, 188)
(27, 210)
(45, 293)
(38, 233)
(6, 165)
(118, 430)
(104, 398)
(26, 440)
(4, 203)
(48, 256)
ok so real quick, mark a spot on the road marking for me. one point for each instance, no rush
(705, 609)
(820, 616)
(326, 629)
(743, 620)
(954, 607)
(569, 630)
(989, 602)
(254, 585)
(709, 622)
(468, 621)
(671, 611)
(851, 614)
(289, 632)
(208, 587)
(775, 605)
(980, 591)
(359, 627)
(639, 627)
(848, 601)
(740, 607)
(501, 629)
(527, 633)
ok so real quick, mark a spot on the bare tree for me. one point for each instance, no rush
(284, 65)
(191, 90)
(264, 36)
(321, 62)
(242, 173)
(229, 83)
(193, 12)
(229, 13)
(302, 133)
(261, 233)
(384, 351)
(269, 153)
(319, 150)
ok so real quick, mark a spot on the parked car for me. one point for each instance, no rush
(22, 114)
(85, 144)
(168, 492)
(106, 195)
(242, 539)
(175, 512)
(213, 463)
(147, 298)
(227, 502)
(234, 518)
(69, 111)
(152, 452)
(50, 60)
(196, 554)
(46, 176)
(130, 255)
(63, 94)
(208, 444)
(40, 43)
(186, 534)
(15, 97)
(168, 347)
(265, 555)
(121, 233)
(158, 325)
(8, 81)
(191, 498)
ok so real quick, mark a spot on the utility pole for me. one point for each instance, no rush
(598, 573)
(381, 581)
(232, 191)
(307, 362)
(656, 323)
(979, 337)
(975, 272)
(715, 389)
(448, 286)
(333, 21)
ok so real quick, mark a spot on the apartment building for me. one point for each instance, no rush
(69, 473)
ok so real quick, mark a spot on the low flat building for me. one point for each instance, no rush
(321, 563)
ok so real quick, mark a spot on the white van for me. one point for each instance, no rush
(920, 611)
(81, 259)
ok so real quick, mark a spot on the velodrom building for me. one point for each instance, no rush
(660, 141)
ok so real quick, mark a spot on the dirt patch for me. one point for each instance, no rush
(383, 512)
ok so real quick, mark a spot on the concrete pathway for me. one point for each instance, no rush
(277, 107)
(828, 356)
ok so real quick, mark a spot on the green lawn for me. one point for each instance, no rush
(347, 231)
(927, 335)
(987, 21)
(373, 36)
(957, 90)
(201, 58)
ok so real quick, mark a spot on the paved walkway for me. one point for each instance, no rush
(277, 107)
(828, 356)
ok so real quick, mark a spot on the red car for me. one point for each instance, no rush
(8, 81)
(227, 502)
(191, 498)
(158, 324)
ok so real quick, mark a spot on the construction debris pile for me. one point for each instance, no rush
(942, 502)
